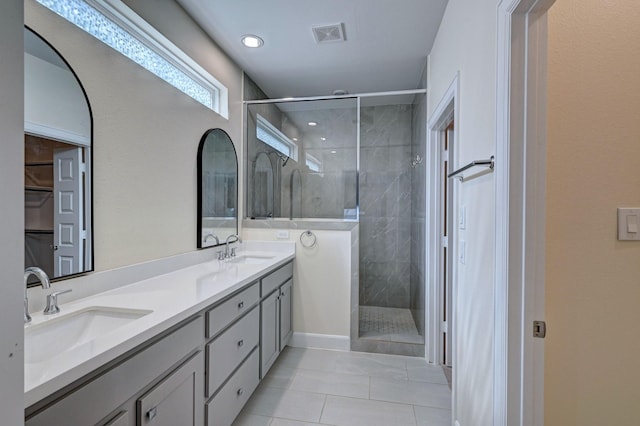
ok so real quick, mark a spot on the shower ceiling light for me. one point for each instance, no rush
(250, 40)
(312, 123)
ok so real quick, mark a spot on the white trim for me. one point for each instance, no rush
(520, 195)
(320, 341)
(42, 130)
(448, 109)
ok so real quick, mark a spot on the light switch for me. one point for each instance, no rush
(462, 217)
(629, 224)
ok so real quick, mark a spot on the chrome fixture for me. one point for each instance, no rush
(206, 238)
(416, 161)
(52, 302)
(227, 253)
(44, 281)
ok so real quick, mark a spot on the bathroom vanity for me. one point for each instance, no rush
(187, 348)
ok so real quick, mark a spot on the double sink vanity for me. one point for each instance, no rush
(186, 347)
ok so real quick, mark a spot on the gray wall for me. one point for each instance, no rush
(12, 223)
(385, 205)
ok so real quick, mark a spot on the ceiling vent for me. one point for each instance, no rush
(329, 33)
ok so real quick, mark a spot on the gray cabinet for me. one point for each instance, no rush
(286, 314)
(269, 332)
(176, 400)
(276, 315)
(110, 397)
(230, 345)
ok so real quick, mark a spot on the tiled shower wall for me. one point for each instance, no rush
(385, 206)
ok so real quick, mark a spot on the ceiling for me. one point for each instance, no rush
(387, 42)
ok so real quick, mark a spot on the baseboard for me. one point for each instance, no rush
(320, 341)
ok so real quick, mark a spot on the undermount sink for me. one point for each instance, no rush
(250, 259)
(65, 332)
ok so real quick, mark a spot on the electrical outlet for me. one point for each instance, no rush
(282, 235)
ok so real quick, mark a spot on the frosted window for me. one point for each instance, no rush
(273, 137)
(313, 163)
(98, 25)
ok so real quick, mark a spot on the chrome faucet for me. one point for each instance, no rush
(206, 238)
(232, 253)
(44, 281)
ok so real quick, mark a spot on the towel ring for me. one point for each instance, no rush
(308, 239)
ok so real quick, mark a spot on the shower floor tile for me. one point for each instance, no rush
(388, 324)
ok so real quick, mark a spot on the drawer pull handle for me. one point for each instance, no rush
(152, 413)
(240, 343)
(240, 305)
(239, 392)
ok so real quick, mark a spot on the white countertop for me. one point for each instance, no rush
(172, 298)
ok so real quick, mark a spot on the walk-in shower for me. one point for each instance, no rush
(355, 160)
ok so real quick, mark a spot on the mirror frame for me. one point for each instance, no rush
(90, 189)
(203, 139)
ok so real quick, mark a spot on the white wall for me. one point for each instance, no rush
(322, 281)
(11, 225)
(466, 42)
(146, 134)
(592, 280)
(54, 104)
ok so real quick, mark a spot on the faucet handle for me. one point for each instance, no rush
(220, 255)
(52, 302)
(233, 252)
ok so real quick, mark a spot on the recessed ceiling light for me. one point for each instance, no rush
(312, 123)
(333, 151)
(323, 139)
(295, 139)
(251, 40)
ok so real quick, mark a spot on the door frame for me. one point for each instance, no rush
(447, 110)
(520, 211)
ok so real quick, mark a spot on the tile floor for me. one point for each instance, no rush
(312, 386)
(388, 324)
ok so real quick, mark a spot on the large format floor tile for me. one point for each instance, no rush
(294, 405)
(318, 387)
(408, 392)
(342, 411)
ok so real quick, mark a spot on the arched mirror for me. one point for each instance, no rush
(217, 189)
(57, 169)
(263, 186)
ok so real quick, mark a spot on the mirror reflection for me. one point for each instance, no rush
(217, 189)
(263, 186)
(57, 169)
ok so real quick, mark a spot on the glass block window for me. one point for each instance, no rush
(137, 46)
(267, 133)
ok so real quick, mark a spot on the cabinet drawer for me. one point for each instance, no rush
(228, 350)
(223, 409)
(276, 278)
(224, 314)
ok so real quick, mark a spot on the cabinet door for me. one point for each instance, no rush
(286, 329)
(269, 333)
(177, 400)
